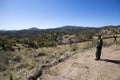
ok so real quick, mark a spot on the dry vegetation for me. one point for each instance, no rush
(27, 55)
(21, 62)
(82, 66)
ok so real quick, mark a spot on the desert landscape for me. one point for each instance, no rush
(64, 60)
(59, 39)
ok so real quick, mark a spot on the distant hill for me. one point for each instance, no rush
(33, 29)
(59, 28)
(69, 27)
(74, 27)
(64, 29)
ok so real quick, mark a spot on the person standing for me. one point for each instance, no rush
(99, 47)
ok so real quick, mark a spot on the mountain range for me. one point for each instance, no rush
(61, 28)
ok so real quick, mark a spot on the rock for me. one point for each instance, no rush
(19, 67)
(39, 54)
(12, 49)
(2, 68)
(62, 58)
(17, 58)
(45, 65)
(35, 74)
(32, 78)
(54, 62)
(52, 56)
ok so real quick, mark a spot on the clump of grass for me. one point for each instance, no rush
(46, 59)
(57, 55)
(86, 67)
(31, 66)
(74, 47)
(107, 42)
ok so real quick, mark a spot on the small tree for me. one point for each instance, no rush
(3, 41)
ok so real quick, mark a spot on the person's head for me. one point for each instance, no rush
(99, 37)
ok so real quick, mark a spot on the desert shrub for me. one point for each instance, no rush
(74, 47)
(51, 56)
(2, 67)
(19, 67)
(61, 53)
(6, 42)
(17, 59)
(32, 44)
(50, 43)
(31, 66)
(3, 41)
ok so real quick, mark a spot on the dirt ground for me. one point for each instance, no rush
(82, 66)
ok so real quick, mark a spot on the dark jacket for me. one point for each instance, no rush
(99, 44)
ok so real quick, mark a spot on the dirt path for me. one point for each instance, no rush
(82, 66)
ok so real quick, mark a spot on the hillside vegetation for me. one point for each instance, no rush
(36, 38)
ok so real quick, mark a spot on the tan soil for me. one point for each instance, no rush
(82, 66)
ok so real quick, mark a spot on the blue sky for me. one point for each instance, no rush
(23, 14)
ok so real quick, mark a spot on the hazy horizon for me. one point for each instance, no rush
(45, 14)
(54, 27)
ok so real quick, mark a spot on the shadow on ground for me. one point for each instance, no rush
(111, 61)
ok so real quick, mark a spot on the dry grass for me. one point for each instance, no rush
(28, 61)
(84, 67)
